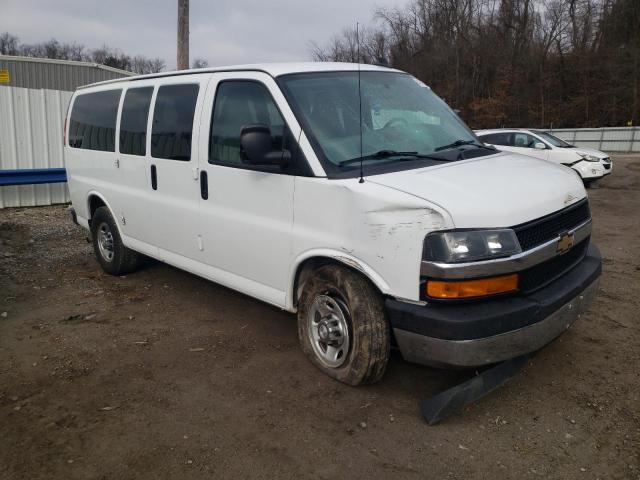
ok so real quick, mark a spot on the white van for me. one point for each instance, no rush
(590, 164)
(361, 202)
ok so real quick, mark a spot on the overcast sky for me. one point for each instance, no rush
(222, 31)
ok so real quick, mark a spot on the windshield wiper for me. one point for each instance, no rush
(379, 155)
(460, 143)
(385, 154)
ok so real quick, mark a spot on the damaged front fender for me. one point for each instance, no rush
(372, 228)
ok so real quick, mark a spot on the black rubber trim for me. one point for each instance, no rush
(74, 216)
(446, 403)
(470, 321)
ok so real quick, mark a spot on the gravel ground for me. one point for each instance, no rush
(161, 374)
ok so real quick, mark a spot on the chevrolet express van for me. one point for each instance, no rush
(358, 200)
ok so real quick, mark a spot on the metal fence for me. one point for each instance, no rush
(614, 139)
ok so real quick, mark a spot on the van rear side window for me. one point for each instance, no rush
(133, 122)
(93, 121)
(173, 122)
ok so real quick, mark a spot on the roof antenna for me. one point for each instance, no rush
(359, 101)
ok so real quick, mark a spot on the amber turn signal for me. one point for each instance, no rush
(472, 288)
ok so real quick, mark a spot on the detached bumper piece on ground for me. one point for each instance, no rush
(444, 404)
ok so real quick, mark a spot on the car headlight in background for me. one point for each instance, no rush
(470, 245)
(588, 157)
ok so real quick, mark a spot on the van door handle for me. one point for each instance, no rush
(204, 185)
(154, 177)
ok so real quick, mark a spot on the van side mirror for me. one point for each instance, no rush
(539, 146)
(255, 147)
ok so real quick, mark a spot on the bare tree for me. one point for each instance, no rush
(513, 62)
(199, 63)
(10, 45)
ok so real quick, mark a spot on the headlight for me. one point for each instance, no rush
(470, 245)
(588, 157)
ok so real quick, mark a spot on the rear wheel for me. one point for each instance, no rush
(342, 325)
(113, 256)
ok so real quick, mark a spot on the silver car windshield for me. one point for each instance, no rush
(400, 114)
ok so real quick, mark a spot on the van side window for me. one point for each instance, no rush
(93, 121)
(173, 122)
(239, 103)
(133, 121)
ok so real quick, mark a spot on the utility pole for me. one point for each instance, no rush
(183, 34)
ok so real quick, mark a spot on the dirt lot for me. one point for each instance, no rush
(161, 374)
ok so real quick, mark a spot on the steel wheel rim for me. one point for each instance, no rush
(329, 330)
(105, 242)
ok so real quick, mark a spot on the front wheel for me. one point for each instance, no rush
(342, 325)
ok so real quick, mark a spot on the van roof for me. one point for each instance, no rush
(273, 69)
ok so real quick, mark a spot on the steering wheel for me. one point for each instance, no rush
(396, 122)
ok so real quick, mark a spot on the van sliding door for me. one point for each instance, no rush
(133, 158)
(173, 166)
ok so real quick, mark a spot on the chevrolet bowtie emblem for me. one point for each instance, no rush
(565, 242)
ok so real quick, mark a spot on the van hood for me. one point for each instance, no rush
(499, 190)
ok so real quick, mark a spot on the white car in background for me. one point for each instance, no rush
(590, 164)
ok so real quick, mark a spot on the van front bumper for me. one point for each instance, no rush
(484, 332)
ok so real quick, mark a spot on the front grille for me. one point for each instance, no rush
(546, 272)
(537, 232)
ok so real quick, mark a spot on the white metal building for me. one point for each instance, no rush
(34, 95)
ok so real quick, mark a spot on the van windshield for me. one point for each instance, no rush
(402, 119)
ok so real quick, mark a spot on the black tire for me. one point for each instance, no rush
(363, 307)
(121, 260)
